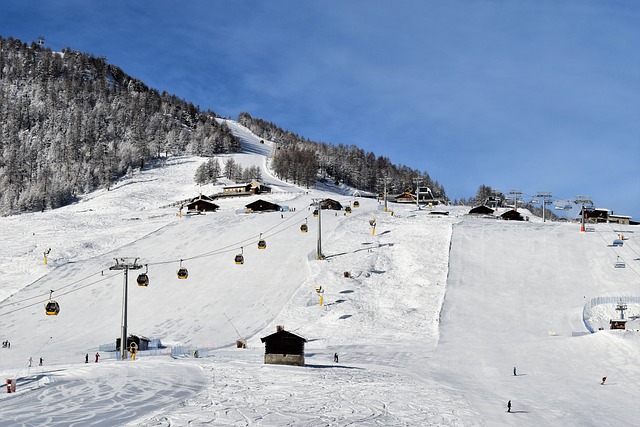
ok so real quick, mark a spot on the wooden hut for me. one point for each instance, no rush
(512, 215)
(283, 348)
(140, 343)
(202, 204)
(262, 206)
(330, 204)
(481, 210)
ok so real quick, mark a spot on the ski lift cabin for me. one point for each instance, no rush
(52, 308)
(239, 259)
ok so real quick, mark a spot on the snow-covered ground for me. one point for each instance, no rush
(434, 316)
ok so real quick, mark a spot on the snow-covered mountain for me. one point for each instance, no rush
(434, 315)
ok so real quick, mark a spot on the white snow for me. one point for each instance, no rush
(436, 313)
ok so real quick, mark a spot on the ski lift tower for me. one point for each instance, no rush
(418, 180)
(517, 195)
(621, 307)
(619, 323)
(582, 200)
(125, 264)
(318, 203)
(544, 197)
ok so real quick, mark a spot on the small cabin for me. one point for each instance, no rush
(284, 348)
(406, 197)
(512, 215)
(141, 343)
(237, 188)
(262, 206)
(258, 188)
(481, 210)
(330, 204)
(202, 204)
(617, 323)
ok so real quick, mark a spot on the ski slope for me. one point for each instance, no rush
(436, 313)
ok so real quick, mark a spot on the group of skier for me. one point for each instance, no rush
(515, 374)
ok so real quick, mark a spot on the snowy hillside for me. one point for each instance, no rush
(434, 315)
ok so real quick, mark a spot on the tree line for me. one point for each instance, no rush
(303, 161)
(70, 123)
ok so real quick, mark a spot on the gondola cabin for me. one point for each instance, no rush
(52, 308)
(315, 212)
(183, 273)
(143, 279)
(304, 228)
(239, 259)
(356, 204)
(348, 209)
(262, 244)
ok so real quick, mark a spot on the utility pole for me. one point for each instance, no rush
(544, 196)
(516, 195)
(582, 200)
(125, 264)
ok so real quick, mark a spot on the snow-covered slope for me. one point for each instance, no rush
(435, 313)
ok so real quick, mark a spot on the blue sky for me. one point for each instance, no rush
(520, 95)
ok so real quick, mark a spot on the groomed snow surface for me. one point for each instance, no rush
(436, 313)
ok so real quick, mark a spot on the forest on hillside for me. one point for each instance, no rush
(301, 161)
(71, 123)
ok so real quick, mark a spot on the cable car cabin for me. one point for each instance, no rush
(183, 273)
(52, 308)
(304, 228)
(347, 209)
(262, 244)
(315, 212)
(143, 279)
(356, 204)
(239, 259)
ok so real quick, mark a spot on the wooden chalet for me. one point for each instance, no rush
(202, 204)
(404, 198)
(330, 204)
(481, 210)
(237, 188)
(284, 348)
(512, 215)
(258, 188)
(262, 206)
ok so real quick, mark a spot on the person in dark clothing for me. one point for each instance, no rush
(86, 358)
(41, 361)
(97, 357)
(509, 406)
(514, 371)
(603, 380)
(335, 357)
